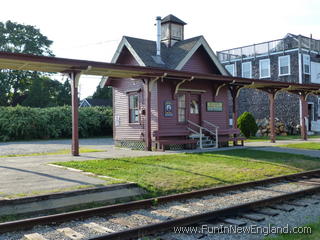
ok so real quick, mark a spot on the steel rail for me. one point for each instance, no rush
(197, 218)
(140, 204)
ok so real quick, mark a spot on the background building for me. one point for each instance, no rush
(294, 58)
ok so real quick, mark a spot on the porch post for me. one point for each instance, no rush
(304, 114)
(234, 90)
(75, 76)
(147, 115)
(272, 117)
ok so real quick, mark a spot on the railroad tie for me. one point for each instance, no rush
(267, 212)
(70, 233)
(253, 217)
(34, 236)
(98, 228)
(298, 204)
(233, 221)
(284, 208)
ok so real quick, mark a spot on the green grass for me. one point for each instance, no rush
(290, 137)
(305, 145)
(166, 174)
(314, 236)
(58, 152)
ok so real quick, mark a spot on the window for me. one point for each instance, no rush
(231, 69)
(264, 68)
(306, 64)
(182, 108)
(133, 108)
(194, 107)
(246, 70)
(284, 65)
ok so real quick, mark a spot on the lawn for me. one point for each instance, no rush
(305, 145)
(314, 236)
(166, 174)
(290, 137)
(58, 152)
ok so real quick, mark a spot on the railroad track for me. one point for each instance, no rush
(152, 216)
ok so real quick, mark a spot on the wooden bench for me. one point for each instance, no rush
(232, 135)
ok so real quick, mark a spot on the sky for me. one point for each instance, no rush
(92, 30)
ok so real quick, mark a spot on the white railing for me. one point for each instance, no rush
(215, 130)
(201, 128)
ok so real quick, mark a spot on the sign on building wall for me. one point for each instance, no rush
(117, 120)
(214, 107)
(315, 72)
(168, 109)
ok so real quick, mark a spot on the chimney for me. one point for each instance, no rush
(158, 19)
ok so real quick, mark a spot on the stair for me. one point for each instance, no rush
(206, 141)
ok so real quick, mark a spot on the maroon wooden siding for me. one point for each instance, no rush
(200, 62)
(171, 125)
(121, 91)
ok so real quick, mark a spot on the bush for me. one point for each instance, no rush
(247, 124)
(18, 123)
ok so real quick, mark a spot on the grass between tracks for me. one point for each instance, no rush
(166, 174)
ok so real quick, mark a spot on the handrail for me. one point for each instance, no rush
(201, 128)
(210, 124)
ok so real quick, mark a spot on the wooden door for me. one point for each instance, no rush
(195, 109)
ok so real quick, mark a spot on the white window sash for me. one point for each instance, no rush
(260, 68)
(288, 65)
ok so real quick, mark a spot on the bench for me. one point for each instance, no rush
(232, 135)
(160, 144)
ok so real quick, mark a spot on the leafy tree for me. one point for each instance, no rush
(103, 93)
(19, 38)
(45, 92)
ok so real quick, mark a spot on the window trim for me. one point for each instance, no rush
(129, 113)
(309, 63)
(289, 65)
(244, 63)
(185, 108)
(234, 69)
(269, 72)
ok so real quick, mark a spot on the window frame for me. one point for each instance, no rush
(304, 63)
(289, 65)
(250, 69)
(185, 108)
(260, 65)
(234, 74)
(129, 107)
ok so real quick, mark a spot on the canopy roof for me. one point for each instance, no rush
(17, 61)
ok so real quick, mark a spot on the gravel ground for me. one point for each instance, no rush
(173, 210)
(26, 147)
(300, 216)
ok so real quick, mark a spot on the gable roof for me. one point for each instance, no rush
(175, 57)
(92, 102)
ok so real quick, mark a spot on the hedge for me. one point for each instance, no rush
(19, 123)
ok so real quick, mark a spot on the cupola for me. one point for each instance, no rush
(172, 30)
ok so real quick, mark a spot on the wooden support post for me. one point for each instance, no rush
(304, 114)
(148, 141)
(234, 94)
(75, 76)
(272, 117)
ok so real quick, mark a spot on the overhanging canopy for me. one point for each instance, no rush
(17, 61)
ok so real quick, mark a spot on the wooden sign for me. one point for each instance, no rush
(214, 106)
(168, 109)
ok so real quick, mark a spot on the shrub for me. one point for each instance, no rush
(247, 124)
(17, 123)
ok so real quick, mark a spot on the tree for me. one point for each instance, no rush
(45, 92)
(103, 93)
(19, 38)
